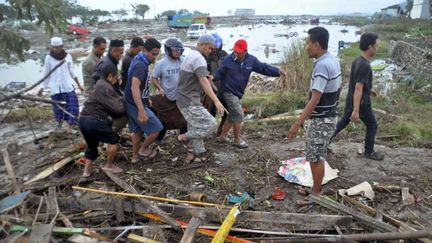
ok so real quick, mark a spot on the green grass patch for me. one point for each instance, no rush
(270, 104)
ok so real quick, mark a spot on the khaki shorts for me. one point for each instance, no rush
(234, 106)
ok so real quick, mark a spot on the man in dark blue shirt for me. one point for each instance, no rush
(140, 118)
(234, 73)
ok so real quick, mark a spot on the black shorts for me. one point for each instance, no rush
(94, 132)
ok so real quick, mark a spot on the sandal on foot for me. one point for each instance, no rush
(223, 140)
(194, 158)
(241, 145)
(151, 155)
(114, 169)
(303, 191)
(86, 175)
(305, 202)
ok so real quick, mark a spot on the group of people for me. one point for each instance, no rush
(192, 89)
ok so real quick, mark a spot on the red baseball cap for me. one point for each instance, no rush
(240, 46)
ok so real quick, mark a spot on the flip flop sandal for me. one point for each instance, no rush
(86, 175)
(241, 145)
(151, 155)
(305, 202)
(115, 169)
(225, 140)
(303, 191)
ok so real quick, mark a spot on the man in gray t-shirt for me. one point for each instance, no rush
(193, 78)
(166, 72)
(321, 109)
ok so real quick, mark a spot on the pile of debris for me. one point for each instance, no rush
(56, 205)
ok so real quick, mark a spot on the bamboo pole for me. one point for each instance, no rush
(125, 194)
(223, 231)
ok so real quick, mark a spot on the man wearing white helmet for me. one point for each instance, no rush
(61, 83)
(166, 77)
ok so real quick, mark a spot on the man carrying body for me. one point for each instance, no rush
(136, 46)
(115, 53)
(166, 77)
(142, 120)
(234, 73)
(194, 78)
(99, 46)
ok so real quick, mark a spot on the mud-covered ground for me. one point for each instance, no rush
(232, 171)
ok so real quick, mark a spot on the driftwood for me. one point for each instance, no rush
(18, 93)
(139, 239)
(143, 201)
(365, 219)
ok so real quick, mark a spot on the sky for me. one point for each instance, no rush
(262, 7)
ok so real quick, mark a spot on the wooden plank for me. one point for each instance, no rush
(48, 171)
(362, 237)
(10, 171)
(365, 219)
(52, 207)
(143, 201)
(401, 225)
(296, 220)
(117, 205)
(189, 234)
(139, 239)
(41, 233)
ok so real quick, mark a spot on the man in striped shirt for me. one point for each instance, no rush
(322, 106)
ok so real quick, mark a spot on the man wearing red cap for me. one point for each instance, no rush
(234, 73)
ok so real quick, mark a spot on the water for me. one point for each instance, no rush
(266, 42)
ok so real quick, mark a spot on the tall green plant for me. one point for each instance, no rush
(298, 68)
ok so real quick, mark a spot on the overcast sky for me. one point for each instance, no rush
(262, 7)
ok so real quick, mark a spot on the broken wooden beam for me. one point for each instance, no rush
(143, 201)
(189, 234)
(9, 168)
(401, 225)
(48, 171)
(41, 233)
(117, 205)
(365, 219)
(361, 237)
(297, 221)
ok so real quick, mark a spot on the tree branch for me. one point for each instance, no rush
(17, 94)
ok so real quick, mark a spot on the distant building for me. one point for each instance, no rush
(244, 12)
(421, 9)
(396, 10)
